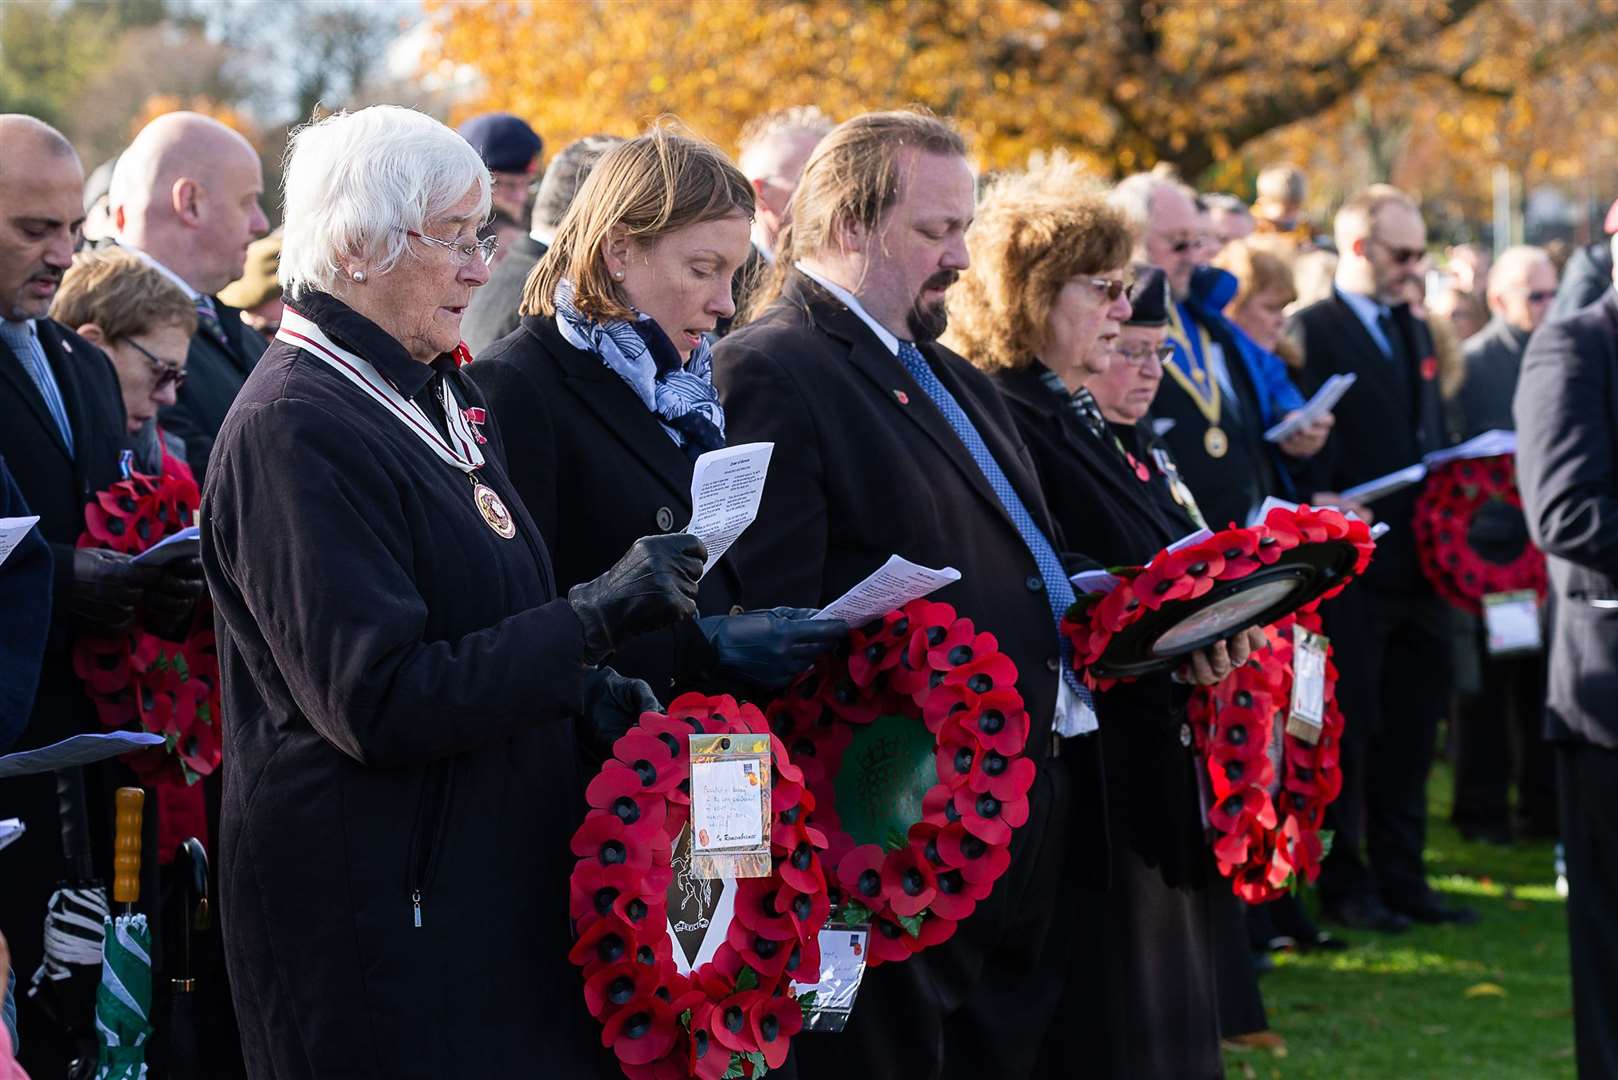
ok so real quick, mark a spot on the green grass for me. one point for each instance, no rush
(1476, 1002)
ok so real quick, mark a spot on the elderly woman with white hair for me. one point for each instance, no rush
(402, 687)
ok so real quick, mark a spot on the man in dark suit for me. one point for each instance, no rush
(492, 312)
(886, 442)
(185, 194)
(1391, 632)
(1222, 392)
(1567, 419)
(1497, 723)
(62, 434)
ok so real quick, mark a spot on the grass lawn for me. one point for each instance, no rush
(1476, 1003)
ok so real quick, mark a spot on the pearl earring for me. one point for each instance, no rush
(618, 275)
(358, 276)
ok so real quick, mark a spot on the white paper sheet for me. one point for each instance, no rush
(10, 829)
(1093, 581)
(77, 750)
(894, 585)
(12, 530)
(187, 541)
(1372, 490)
(1489, 444)
(726, 486)
(1324, 401)
(1190, 538)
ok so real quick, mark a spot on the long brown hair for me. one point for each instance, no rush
(649, 186)
(851, 179)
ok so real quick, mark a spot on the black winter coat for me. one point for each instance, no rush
(578, 438)
(399, 766)
(213, 377)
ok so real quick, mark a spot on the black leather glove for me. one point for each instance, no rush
(769, 648)
(653, 586)
(171, 600)
(612, 705)
(107, 589)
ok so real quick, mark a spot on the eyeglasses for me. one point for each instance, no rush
(166, 372)
(1541, 296)
(1110, 288)
(1401, 255)
(463, 253)
(1139, 356)
(1186, 244)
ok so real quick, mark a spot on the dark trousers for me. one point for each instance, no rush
(1241, 1002)
(977, 1005)
(1497, 741)
(1393, 658)
(1587, 791)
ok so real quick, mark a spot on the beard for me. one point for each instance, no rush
(928, 321)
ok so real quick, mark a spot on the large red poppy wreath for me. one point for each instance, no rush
(167, 687)
(920, 665)
(1455, 495)
(1270, 788)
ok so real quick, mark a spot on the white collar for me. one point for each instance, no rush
(191, 294)
(544, 236)
(1368, 308)
(883, 334)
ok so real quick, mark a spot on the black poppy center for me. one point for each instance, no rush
(612, 853)
(621, 990)
(912, 882)
(627, 809)
(991, 721)
(980, 683)
(870, 883)
(646, 771)
(769, 1028)
(963, 759)
(610, 948)
(1237, 735)
(801, 856)
(993, 763)
(734, 1018)
(638, 1025)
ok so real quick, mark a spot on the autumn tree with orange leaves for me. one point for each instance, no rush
(1123, 84)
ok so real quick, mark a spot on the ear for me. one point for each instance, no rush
(185, 198)
(91, 332)
(852, 237)
(615, 250)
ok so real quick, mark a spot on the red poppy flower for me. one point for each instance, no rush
(606, 838)
(774, 1020)
(765, 954)
(615, 986)
(602, 942)
(908, 882)
(658, 766)
(731, 1028)
(1235, 810)
(860, 875)
(761, 908)
(705, 1058)
(641, 1032)
(889, 941)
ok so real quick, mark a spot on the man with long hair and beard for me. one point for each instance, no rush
(885, 441)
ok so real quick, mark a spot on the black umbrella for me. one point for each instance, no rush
(191, 864)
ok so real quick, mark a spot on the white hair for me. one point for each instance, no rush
(357, 183)
(1515, 262)
(1134, 194)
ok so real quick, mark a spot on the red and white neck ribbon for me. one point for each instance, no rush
(461, 450)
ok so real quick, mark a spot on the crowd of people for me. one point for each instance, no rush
(440, 429)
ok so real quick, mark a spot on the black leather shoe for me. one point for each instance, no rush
(1434, 912)
(1366, 913)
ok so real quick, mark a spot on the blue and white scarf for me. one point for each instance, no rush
(681, 395)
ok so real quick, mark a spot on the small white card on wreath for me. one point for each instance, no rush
(1512, 622)
(1308, 715)
(843, 956)
(730, 806)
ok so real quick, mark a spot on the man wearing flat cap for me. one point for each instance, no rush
(510, 148)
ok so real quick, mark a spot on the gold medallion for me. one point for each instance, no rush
(495, 514)
(1215, 442)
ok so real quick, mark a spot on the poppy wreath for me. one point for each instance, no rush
(1454, 495)
(138, 679)
(1095, 618)
(924, 663)
(735, 1015)
(1265, 843)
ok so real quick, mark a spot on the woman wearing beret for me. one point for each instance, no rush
(403, 676)
(606, 386)
(1040, 309)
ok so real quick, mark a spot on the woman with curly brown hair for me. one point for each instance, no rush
(1041, 309)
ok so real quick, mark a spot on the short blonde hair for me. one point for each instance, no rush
(650, 186)
(123, 294)
(1256, 270)
(1034, 232)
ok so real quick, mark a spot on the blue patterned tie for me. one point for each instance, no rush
(1058, 590)
(208, 322)
(23, 340)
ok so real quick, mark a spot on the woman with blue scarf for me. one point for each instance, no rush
(605, 396)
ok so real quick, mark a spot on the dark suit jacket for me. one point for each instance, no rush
(492, 314)
(1586, 276)
(213, 377)
(1493, 359)
(1567, 468)
(866, 467)
(597, 472)
(25, 591)
(1387, 421)
(1104, 508)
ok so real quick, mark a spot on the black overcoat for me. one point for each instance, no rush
(865, 466)
(397, 680)
(214, 376)
(492, 312)
(1158, 1016)
(579, 439)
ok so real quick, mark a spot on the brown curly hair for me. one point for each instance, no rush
(1035, 230)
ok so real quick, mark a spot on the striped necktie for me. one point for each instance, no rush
(208, 322)
(22, 338)
(1058, 590)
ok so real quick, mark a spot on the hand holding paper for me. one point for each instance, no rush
(726, 488)
(894, 585)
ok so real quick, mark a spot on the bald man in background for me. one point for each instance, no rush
(185, 195)
(774, 148)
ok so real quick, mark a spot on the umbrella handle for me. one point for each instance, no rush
(126, 846)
